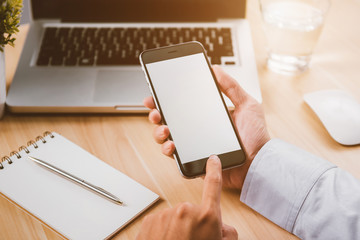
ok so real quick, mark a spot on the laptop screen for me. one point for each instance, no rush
(138, 10)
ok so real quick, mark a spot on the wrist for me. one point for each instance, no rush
(251, 157)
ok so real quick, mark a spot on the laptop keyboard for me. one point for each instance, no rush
(122, 46)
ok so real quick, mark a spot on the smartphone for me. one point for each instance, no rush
(190, 102)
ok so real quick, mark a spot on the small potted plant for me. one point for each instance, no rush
(10, 11)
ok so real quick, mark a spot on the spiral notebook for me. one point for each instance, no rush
(72, 210)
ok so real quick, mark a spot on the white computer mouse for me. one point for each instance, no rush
(339, 112)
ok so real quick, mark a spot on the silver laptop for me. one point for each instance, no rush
(82, 56)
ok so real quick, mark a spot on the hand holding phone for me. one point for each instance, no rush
(186, 94)
(248, 118)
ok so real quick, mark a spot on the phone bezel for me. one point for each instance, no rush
(196, 167)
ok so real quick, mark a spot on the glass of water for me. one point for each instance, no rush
(292, 28)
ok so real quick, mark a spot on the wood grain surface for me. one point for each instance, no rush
(126, 143)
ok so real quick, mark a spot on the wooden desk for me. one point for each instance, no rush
(126, 142)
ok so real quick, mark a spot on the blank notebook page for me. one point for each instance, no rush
(72, 210)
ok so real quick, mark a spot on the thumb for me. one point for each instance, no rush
(230, 87)
(229, 232)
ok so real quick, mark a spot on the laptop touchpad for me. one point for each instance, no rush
(121, 87)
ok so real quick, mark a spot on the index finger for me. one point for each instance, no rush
(149, 102)
(212, 182)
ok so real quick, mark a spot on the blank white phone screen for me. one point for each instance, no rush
(192, 107)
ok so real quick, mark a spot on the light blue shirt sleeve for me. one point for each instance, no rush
(303, 194)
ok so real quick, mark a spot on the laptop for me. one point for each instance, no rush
(82, 56)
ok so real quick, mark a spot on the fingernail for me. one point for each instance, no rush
(214, 158)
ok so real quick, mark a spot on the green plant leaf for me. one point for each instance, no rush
(10, 13)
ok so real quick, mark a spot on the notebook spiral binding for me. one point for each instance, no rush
(29, 143)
